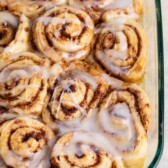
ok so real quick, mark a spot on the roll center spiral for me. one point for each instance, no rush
(24, 141)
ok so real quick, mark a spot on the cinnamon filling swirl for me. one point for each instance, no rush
(23, 84)
(63, 33)
(74, 93)
(25, 142)
(121, 48)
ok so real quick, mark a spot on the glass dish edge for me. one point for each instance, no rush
(160, 49)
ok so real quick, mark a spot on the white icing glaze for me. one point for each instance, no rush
(111, 5)
(11, 158)
(79, 125)
(55, 70)
(119, 4)
(66, 87)
(82, 75)
(120, 49)
(35, 160)
(99, 140)
(110, 66)
(112, 81)
(93, 132)
(104, 4)
(8, 116)
(86, 77)
(114, 15)
(18, 71)
(9, 18)
(76, 75)
(121, 114)
(47, 19)
(12, 72)
(41, 159)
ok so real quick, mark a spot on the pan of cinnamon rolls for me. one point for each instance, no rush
(69, 93)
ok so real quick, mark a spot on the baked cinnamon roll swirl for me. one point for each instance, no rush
(32, 8)
(63, 33)
(26, 143)
(121, 48)
(78, 149)
(14, 33)
(124, 116)
(110, 9)
(76, 91)
(23, 85)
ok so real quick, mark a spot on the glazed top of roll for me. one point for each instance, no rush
(63, 33)
(115, 134)
(74, 93)
(25, 143)
(121, 48)
(105, 9)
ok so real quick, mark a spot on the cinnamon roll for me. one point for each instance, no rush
(23, 85)
(76, 91)
(121, 48)
(63, 33)
(25, 143)
(124, 117)
(32, 8)
(14, 33)
(110, 9)
(78, 149)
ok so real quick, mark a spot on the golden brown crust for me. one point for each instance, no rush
(139, 6)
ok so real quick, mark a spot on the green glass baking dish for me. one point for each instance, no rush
(154, 79)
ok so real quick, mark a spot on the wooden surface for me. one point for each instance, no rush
(164, 160)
